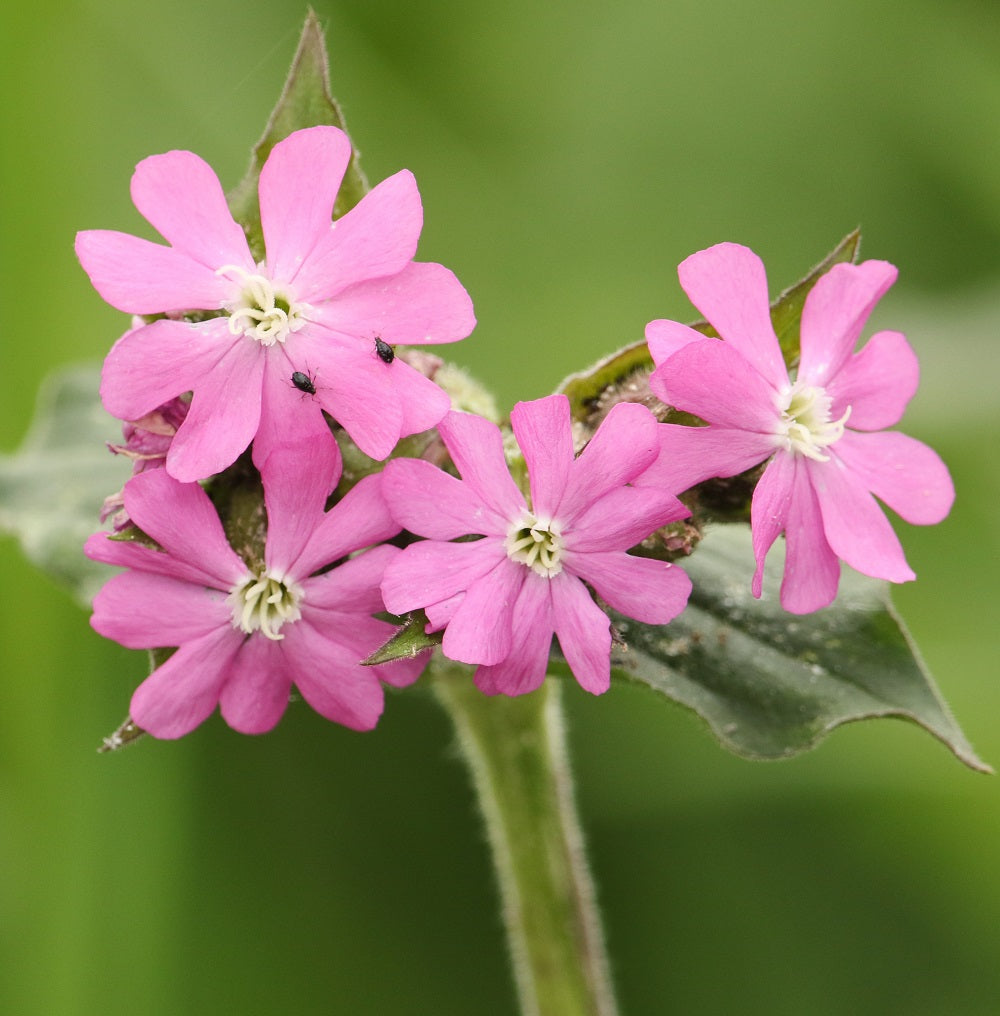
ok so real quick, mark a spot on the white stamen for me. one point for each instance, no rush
(262, 311)
(535, 543)
(264, 603)
(805, 424)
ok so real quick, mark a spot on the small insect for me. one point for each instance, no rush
(305, 383)
(385, 352)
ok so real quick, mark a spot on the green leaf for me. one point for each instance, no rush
(53, 487)
(305, 101)
(772, 684)
(623, 376)
(409, 641)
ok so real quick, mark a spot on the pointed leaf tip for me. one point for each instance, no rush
(786, 310)
(409, 641)
(126, 734)
(770, 684)
(305, 101)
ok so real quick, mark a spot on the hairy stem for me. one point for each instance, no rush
(516, 751)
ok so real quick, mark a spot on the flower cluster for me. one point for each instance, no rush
(529, 541)
(228, 353)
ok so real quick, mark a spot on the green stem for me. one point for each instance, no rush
(516, 751)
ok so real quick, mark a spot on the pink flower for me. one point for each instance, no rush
(248, 630)
(321, 303)
(147, 442)
(819, 427)
(500, 598)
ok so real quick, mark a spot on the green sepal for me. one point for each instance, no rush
(237, 494)
(133, 534)
(770, 684)
(357, 465)
(126, 734)
(786, 311)
(613, 373)
(128, 731)
(623, 376)
(305, 101)
(409, 641)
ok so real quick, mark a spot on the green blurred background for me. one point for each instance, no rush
(569, 156)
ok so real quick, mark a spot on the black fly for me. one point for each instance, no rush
(304, 382)
(385, 352)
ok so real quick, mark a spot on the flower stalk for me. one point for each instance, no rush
(515, 749)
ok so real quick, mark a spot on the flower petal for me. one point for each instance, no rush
(835, 311)
(769, 510)
(298, 186)
(257, 688)
(584, 633)
(330, 610)
(855, 526)
(223, 416)
(812, 569)
(358, 393)
(422, 304)
(375, 239)
(183, 691)
(728, 284)
(297, 480)
(423, 403)
(289, 416)
(143, 611)
(525, 666)
(439, 614)
(876, 383)
(542, 430)
(331, 679)
(399, 673)
(181, 197)
(901, 471)
(623, 518)
(150, 365)
(480, 630)
(141, 277)
(432, 503)
(476, 448)
(351, 587)
(665, 337)
(624, 445)
(125, 554)
(183, 521)
(428, 572)
(714, 381)
(358, 520)
(653, 592)
(689, 455)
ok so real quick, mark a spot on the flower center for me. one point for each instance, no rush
(262, 311)
(805, 422)
(264, 603)
(535, 544)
